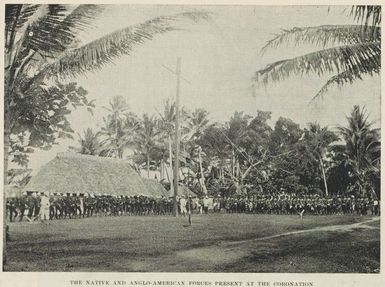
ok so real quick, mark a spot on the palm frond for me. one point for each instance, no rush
(39, 34)
(96, 54)
(53, 33)
(325, 35)
(356, 59)
(12, 12)
(346, 77)
(367, 15)
(82, 16)
(17, 14)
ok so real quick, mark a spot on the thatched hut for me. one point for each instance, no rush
(75, 173)
(155, 187)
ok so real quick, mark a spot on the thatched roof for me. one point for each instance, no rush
(155, 187)
(75, 173)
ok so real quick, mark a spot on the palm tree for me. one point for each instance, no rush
(41, 44)
(117, 137)
(167, 121)
(196, 122)
(167, 125)
(362, 149)
(347, 51)
(89, 143)
(147, 138)
(215, 143)
(318, 141)
(118, 112)
(119, 128)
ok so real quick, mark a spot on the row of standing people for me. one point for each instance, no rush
(285, 203)
(60, 206)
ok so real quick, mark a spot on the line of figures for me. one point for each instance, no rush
(32, 206)
(285, 203)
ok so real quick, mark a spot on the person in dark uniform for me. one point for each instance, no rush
(30, 202)
(37, 200)
(22, 205)
(11, 208)
(52, 206)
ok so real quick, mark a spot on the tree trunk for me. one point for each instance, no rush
(171, 179)
(241, 177)
(237, 168)
(233, 162)
(161, 168)
(324, 177)
(6, 151)
(168, 177)
(237, 187)
(204, 189)
(148, 165)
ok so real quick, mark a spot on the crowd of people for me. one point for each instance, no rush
(60, 206)
(285, 203)
(32, 206)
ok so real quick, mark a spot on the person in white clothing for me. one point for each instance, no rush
(183, 209)
(44, 209)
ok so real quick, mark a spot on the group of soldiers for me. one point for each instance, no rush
(69, 205)
(285, 203)
(61, 206)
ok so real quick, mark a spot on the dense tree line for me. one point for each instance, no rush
(245, 154)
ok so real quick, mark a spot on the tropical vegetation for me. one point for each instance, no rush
(348, 52)
(247, 154)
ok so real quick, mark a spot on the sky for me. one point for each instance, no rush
(219, 59)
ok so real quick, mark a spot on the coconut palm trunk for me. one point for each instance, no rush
(6, 150)
(148, 164)
(233, 162)
(204, 189)
(171, 179)
(162, 168)
(7, 134)
(324, 176)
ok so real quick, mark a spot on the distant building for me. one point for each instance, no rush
(81, 174)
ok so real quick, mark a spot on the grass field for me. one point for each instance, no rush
(214, 243)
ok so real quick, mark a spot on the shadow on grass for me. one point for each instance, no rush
(320, 252)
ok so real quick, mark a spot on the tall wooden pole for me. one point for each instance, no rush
(177, 140)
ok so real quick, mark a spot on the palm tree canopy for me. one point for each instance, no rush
(196, 122)
(362, 141)
(88, 143)
(41, 40)
(347, 51)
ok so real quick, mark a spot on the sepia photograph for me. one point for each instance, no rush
(191, 138)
